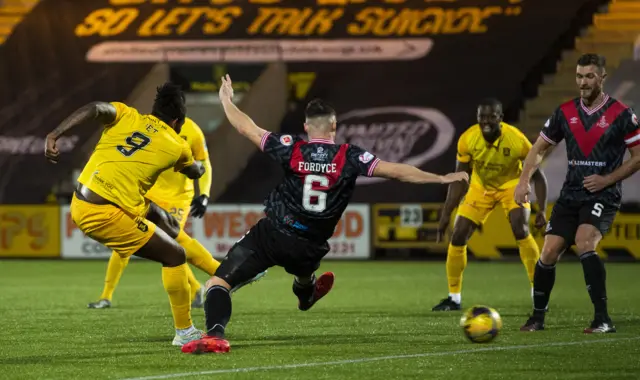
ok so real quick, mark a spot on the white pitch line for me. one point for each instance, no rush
(375, 359)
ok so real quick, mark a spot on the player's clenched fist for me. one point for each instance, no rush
(455, 177)
(50, 150)
(521, 194)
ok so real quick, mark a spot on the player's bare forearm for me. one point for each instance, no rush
(457, 190)
(627, 169)
(405, 173)
(193, 171)
(540, 189)
(532, 162)
(242, 122)
(105, 113)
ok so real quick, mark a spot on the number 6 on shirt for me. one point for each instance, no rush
(308, 192)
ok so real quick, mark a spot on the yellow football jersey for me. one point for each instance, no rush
(497, 165)
(131, 154)
(175, 187)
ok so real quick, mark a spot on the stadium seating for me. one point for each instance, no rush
(612, 34)
(11, 13)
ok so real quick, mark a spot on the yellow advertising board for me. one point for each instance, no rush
(29, 231)
(415, 226)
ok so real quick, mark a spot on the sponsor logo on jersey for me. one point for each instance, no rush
(411, 135)
(366, 157)
(286, 140)
(319, 154)
(587, 163)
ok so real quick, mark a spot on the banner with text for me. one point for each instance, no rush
(29, 231)
(428, 63)
(223, 225)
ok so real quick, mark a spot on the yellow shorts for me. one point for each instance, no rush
(178, 208)
(478, 203)
(111, 226)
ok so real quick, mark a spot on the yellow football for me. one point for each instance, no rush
(481, 324)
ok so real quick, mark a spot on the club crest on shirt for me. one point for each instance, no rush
(143, 227)
(603, 122)
(506, 152)
(634, 119)
(286, 140)
(366, 157)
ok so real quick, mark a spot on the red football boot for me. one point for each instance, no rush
(205, 345)
(324, 284)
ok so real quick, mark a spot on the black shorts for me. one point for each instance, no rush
(567, 216)
(265, 246)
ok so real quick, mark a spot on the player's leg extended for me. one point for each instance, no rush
(173, 224)
(587, 239)
(544, 278)
(469, 216)
(303, 266)
(115, 268)
(529, 251)
(240, 265)
(196, 253)
(165, 250)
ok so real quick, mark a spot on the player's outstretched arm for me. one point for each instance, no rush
(238, 119)
(458, 189)
(104, 113)
(529, 166)
(408, 173)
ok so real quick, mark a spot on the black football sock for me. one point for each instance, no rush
(217, 310)
(304, 292)
(595, 277)
(543, 280)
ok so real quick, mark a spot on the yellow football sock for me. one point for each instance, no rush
(114, 271)
(529, 254)
(193, 283)
(456, 262)
(197, 254)
(176, 284)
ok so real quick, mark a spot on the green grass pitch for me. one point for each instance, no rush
(375, 324)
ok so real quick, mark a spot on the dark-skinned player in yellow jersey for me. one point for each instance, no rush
(491, 151)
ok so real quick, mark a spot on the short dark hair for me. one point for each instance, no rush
(592, 59)
(169, 104)
(490, 102)
(317, 108)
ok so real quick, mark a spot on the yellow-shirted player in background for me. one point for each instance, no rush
(174, 193)
(109, 203)
(493, 151)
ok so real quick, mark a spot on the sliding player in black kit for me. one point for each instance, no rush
(597, 130)
(301, 212)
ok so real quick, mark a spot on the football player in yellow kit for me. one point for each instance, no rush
(174, 193)
(493, 150)
(109, 203)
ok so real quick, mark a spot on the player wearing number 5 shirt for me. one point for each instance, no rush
(301, 212)
(597, 130)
